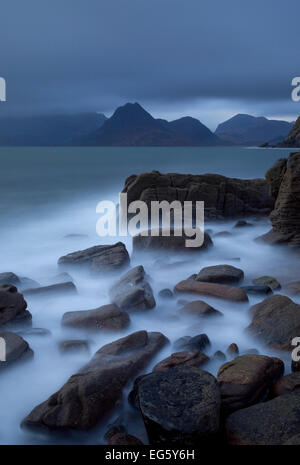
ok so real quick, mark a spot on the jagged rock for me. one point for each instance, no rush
(16, 349)
(160, 241)
(13, 307)
(98, 258)
(199, 342)
(222, 274)
(286, 384)
(92, 393)
(245, 380)
(221, 291)
(180, 406)
(199, 308)
(257, 290)
(223, 197)
(108, 317)
(269, 423)
(276, 320)
(61, 288)
(74, 345)
(132, 291)
(122, 439)
(267, 281)
(193, 358)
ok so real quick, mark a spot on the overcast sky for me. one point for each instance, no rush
(209, 59)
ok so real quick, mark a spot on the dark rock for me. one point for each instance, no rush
(295, 366)
(232, 349)
(293, 138)
(16, 349)
(74, 345)
(132, 291)
(276, 320)
(180, 406)
(242, 224)
(13, 307)
(222, 274)
(108, 317)
(267, 281)
(286, 385)
(114, 429)
(219, 355)
(92, 393)
(257, 290)
(166, 294)
(199, 342)
(9, 278)
(61, 288)
(98, 258)
(221, 291)
(269, 423)
(245, 380)
(193, 358)
(122, 439)
(168, 242)
(200, 309)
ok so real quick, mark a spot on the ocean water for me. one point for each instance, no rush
(46, 194)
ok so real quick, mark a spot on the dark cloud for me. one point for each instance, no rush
(78, 55)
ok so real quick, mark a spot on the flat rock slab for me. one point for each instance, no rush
(192, 358)
(108, 317)
(221, 291)
(200, 309)
(88, 396)
(16, 349)
(180, 406)
(13, 307)
(276, 320)
(245, 380)
(98, 258)
(269, 423)
(222, 274)
(61, 288)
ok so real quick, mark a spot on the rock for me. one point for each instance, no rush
(122, 439)
(9, 278)
(16, 349)
(219, 355)
(180, 406)
(13, 307)
(221, 291)
(98, 258)
(268, 423)
(293, 441)
(156, 240)
(275, 175)
(257, 290)
(295, 366)
(166, 294)
(294, 287)
(222, 274)
(245, 380)
(242, 224)
(232, 349)
(193, 358)
(74, 345)
(63, 277)
(200, 309)
(199, 342)
(108, 317)
(293, 139)
(276, 320)
(286, 385)
(113, 429)
(132, 292)
(223, 197)
(88, 396)
(61, 288)
(267, 281)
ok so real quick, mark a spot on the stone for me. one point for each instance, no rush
(232, 349)
(200, 309)
(13, 307)
(222, 291)
(16, 349)
(222, 274)
(58, 289)
(99, 258)
(257, 290)
(166, 294)
(74, 345)
(219, 355)
(199, 342)
(286, 384)
(193, 358)
(9, 278)
(267, 281)
(109, 317)
(122, 439)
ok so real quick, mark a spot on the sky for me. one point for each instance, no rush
(206, 59)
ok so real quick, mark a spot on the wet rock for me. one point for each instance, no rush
(166, 294)
(122, 439)
(58, 289)
(245, 380)
(222, 274)
(13, 307)
(286, 385)
(92, 393)
(132, 291)
(74, 345)
(193, 358)
(232, 349)
(222, 291)
(98, 258)
(16, 349)
(267, 281)
(257, 290)
(180, 406)
(108, 317)
(242, 224)
(269, 423)
(276, 320)
(199, 342)
(158, 241)
(200, 309)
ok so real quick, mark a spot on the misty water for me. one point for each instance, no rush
(47, 194)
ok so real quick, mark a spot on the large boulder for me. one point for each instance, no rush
(222, 291)
(88, 396)
(132, 292)
(246, 379)
(98, 258)
(16, 349)
(223, 197)
(269, 423)
(108, 317)
(276, 320)
(156, 240)
(13, 307)
(222, 274)
(180, 406)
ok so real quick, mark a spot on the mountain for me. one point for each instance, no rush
(61, 129)
(132, 125)
(293, 139)
(250, 130)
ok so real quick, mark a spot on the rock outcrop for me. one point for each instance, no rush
(200, 309)
(108, 317)
(13, 307)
